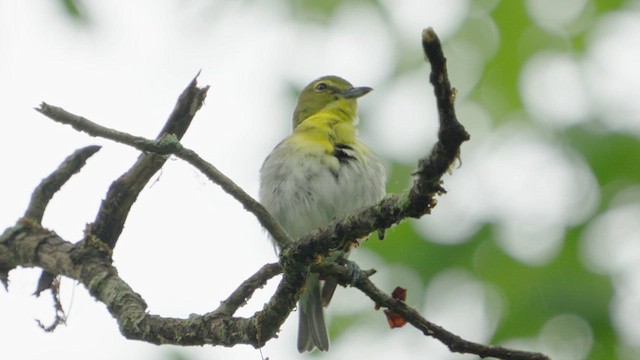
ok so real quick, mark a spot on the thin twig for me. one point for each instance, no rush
(169, 144)
(124, 191)
(51, 184)
(454, 342)
(241, 295)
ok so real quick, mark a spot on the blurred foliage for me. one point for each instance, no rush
(533, 294)
(319, 10)
(175, 354)
(614, 161)
(73, 9)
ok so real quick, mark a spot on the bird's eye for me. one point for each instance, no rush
(321, 87)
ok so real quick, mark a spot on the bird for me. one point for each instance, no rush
(321, 171)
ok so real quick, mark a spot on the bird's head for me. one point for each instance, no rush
(325, 92)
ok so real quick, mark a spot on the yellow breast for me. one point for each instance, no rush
(326, 129)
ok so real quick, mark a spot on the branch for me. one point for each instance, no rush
(166, 145)
(33, 246)
(40, 198)
(242, 294)
(451, 133)
(124, 191)
(28, 244)
(51, 184)
(454, 342)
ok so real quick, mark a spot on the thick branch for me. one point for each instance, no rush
(29, 245)
(41, 196)
(35, 246)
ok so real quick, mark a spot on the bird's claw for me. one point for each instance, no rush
(353, 269)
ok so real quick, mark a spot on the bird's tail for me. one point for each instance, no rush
(312, 331)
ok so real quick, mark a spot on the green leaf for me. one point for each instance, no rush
(537, 293)
(613, 158)
(72, 9)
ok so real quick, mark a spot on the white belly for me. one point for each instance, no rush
(306, 191)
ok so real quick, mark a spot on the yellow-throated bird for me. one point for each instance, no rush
(319, 172)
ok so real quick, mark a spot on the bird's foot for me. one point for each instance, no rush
(353, 269)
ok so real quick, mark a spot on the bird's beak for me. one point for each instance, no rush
(356, 92)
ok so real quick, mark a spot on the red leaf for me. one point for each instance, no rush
(399, 293)
(395, 320)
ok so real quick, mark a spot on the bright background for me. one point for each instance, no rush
(536, 246)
